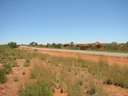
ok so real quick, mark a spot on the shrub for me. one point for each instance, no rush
(12, 45)
(2, 76)
(33, 43)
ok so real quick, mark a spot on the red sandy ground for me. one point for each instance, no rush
(16, 80)
(123, 61)
(12, 87)
(88, 57)
(57, 92)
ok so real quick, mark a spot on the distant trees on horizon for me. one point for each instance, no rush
(113, 46)
(12, 44)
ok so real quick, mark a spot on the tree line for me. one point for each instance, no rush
(114, 46)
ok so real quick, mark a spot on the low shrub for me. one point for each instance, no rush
(2, 76)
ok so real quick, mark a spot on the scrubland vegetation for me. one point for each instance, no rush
(72, 75)
(8, 57)
(97, 46)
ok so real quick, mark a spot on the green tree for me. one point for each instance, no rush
(48, 45)
(71, 44)
(12, 44)
(59, 45)
(54, 45)
(33, 43)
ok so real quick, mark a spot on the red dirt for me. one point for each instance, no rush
(116, 91)
(113, 90)
(58, 92)
(88, 57)
(94, 58)
(1, 66)
(20, 75)
(15, 80)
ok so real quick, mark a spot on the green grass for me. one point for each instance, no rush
(37, 89)
(3, 77)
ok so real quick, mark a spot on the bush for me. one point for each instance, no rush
(33, 44)
(38, 89)
(12, 45)
(2, 76)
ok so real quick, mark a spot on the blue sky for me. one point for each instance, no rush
(63, 21)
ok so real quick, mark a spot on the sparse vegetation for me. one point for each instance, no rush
(86, 78)
(110, 74)
(97, 46)
(62, 76)
(8, 58)
(38, 89)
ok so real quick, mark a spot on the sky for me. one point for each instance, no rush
(63, 21)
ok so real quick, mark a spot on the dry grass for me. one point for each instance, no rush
(73, 75)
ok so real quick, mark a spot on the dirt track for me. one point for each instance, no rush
(94, 56)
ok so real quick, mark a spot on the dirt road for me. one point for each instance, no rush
(102, 53)
(94, 56)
